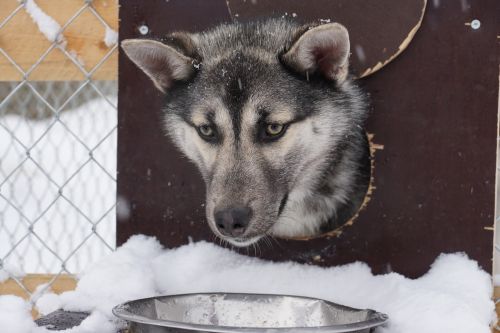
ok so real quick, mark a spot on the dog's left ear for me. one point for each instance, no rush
(164, 64)
(323, 49)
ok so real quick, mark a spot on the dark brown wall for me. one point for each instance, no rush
(434, 111)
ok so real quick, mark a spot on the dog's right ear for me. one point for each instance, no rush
(162, 63)
(322, 49)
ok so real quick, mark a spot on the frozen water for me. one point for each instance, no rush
(454, 296)
(46, 24)
(110, 37)
(8, 270)
(15, 315)
(360, 52)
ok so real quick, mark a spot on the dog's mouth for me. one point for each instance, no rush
(243, 242)
(251, 237)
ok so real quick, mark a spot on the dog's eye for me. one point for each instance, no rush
(273, 130)
(206, 132)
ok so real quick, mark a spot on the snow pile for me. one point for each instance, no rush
(110, 37)
(46, 24)
(53, 30)
(15, 315)
(454, 296)
(8, 270)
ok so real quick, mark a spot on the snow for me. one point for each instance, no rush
(60, 154)
(46, 24)
(53, 30)
(10, 269)
(360, 52)
(110, 37)
(77, 57)
(15, 315)
(454, 296)
(496, 280)
(3, 275)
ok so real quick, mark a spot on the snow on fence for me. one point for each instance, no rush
(58, 95)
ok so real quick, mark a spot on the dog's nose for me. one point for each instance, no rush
(233, 221)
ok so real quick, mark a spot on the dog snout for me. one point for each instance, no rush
(233, 221)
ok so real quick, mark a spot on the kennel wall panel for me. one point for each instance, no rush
(434, 112)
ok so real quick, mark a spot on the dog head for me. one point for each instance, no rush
(259, 108)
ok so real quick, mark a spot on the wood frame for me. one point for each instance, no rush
(61, 284)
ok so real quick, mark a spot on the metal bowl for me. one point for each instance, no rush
(248, 313)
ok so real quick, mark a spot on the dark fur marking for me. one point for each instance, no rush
(282, 204)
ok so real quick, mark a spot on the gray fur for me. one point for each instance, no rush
(311, 179)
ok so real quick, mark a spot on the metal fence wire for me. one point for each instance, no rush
(57, 162)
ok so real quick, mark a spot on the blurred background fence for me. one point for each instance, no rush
(58, 95)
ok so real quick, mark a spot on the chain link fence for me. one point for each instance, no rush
(57, 152)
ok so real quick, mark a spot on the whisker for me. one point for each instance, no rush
(258, 248)
(214, 239)
(267, 241)
(276, 242)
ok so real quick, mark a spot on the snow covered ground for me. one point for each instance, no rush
(454, 296)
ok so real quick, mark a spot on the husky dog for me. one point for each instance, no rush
(272, 118)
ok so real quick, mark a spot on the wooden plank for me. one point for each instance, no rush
(61, 284)
(21, 39)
